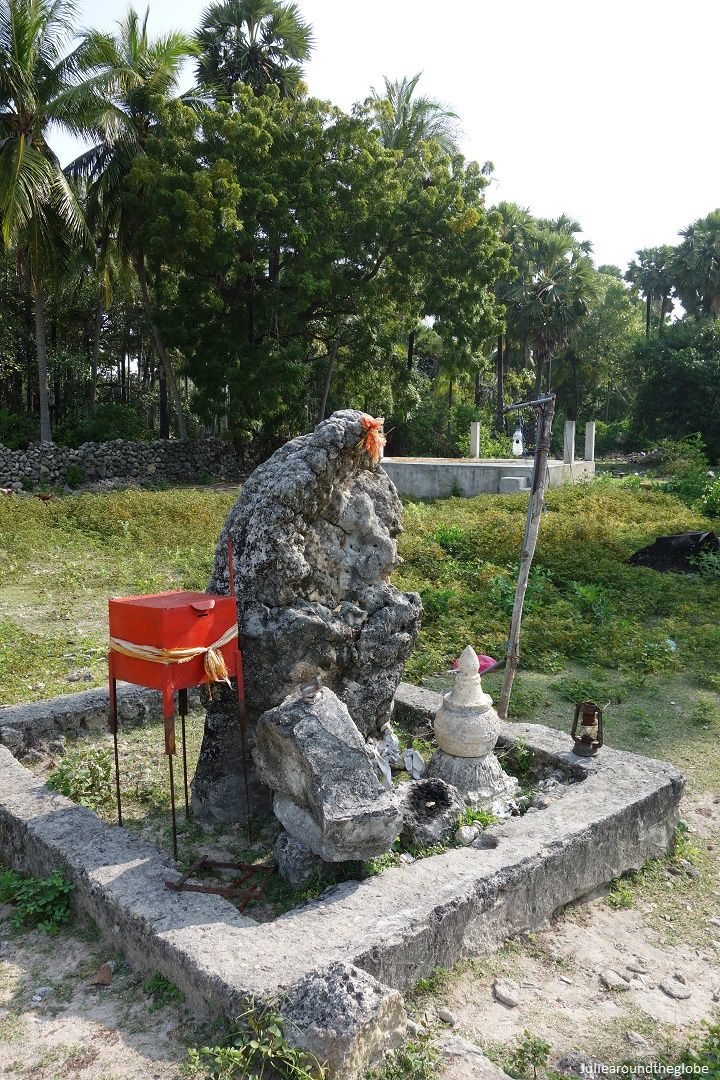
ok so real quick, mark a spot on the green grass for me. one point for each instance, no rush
(594, 626)
(61, 560)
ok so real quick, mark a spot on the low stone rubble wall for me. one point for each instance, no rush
(47, 465)
(35, 726)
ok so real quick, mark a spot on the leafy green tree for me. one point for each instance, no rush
(696, 266)
(679, 384)
(652, 274)
(261, 43)
(594, 376)
(139, 76)
(42, 85)
(516, 229)
(312, 250)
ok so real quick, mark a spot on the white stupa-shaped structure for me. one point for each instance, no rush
(466, 729)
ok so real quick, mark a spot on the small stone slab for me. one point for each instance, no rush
(611, 980)
(345, 1018)
(675, 989)
(466, 1061)
(507, 992)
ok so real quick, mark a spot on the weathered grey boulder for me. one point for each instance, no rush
(327, 793)
(430, 811)
(345, 1018)
(314, 541)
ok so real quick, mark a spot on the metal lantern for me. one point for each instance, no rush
(587, 729)
(518, 447)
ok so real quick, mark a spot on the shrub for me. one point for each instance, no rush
(86, 777)
(17, 430)
(686, 465)
(74, 475)
(710, 501)
(41, 902)
(259, 1048)
(107, 422)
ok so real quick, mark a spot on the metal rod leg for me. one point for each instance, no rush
(117, 778)
(114, 730)
(182, 701)
(172, 804)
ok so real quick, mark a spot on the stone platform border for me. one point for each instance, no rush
(398, 926)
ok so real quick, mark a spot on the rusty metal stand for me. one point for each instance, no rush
(234, 890)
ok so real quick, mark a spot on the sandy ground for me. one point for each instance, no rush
(562, 996)
(76, 1030)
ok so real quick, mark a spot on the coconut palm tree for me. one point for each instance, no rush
(139, 77)
(260, 43)
(551, 298)
(42, 86)
(696, 266)
(404, 120)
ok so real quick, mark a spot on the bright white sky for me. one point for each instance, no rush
(605, 110)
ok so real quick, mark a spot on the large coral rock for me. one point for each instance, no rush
(327, 793)
(314, 541)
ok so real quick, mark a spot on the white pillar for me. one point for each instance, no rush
(590, 440)
(475, 439)
(569, 444)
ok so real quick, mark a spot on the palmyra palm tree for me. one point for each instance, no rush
(652, 274)
(42, 84)
(260, 43)
(139, 76)
(696, 266)
(551, 298)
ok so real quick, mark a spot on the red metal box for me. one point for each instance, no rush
(170, 621)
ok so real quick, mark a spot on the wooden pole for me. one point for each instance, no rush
(532, 526)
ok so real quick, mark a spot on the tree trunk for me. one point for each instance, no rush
(160, 348)
(163, 397)
(96, 351)
(648, 304)
(532, 528)
(410, 350)
(332, 356)
(43, 395)
(663, 311)
(500, 409)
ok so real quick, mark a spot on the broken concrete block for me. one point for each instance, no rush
(430, 811)
(327, 792)
(297, 864)
(345, 1018)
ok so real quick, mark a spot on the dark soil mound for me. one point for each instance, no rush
(674, 554)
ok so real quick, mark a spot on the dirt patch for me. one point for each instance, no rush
(53, 1024)
(562, 975)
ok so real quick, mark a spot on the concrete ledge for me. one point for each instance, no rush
(397, 926)
(437, 478)
(25, 726)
